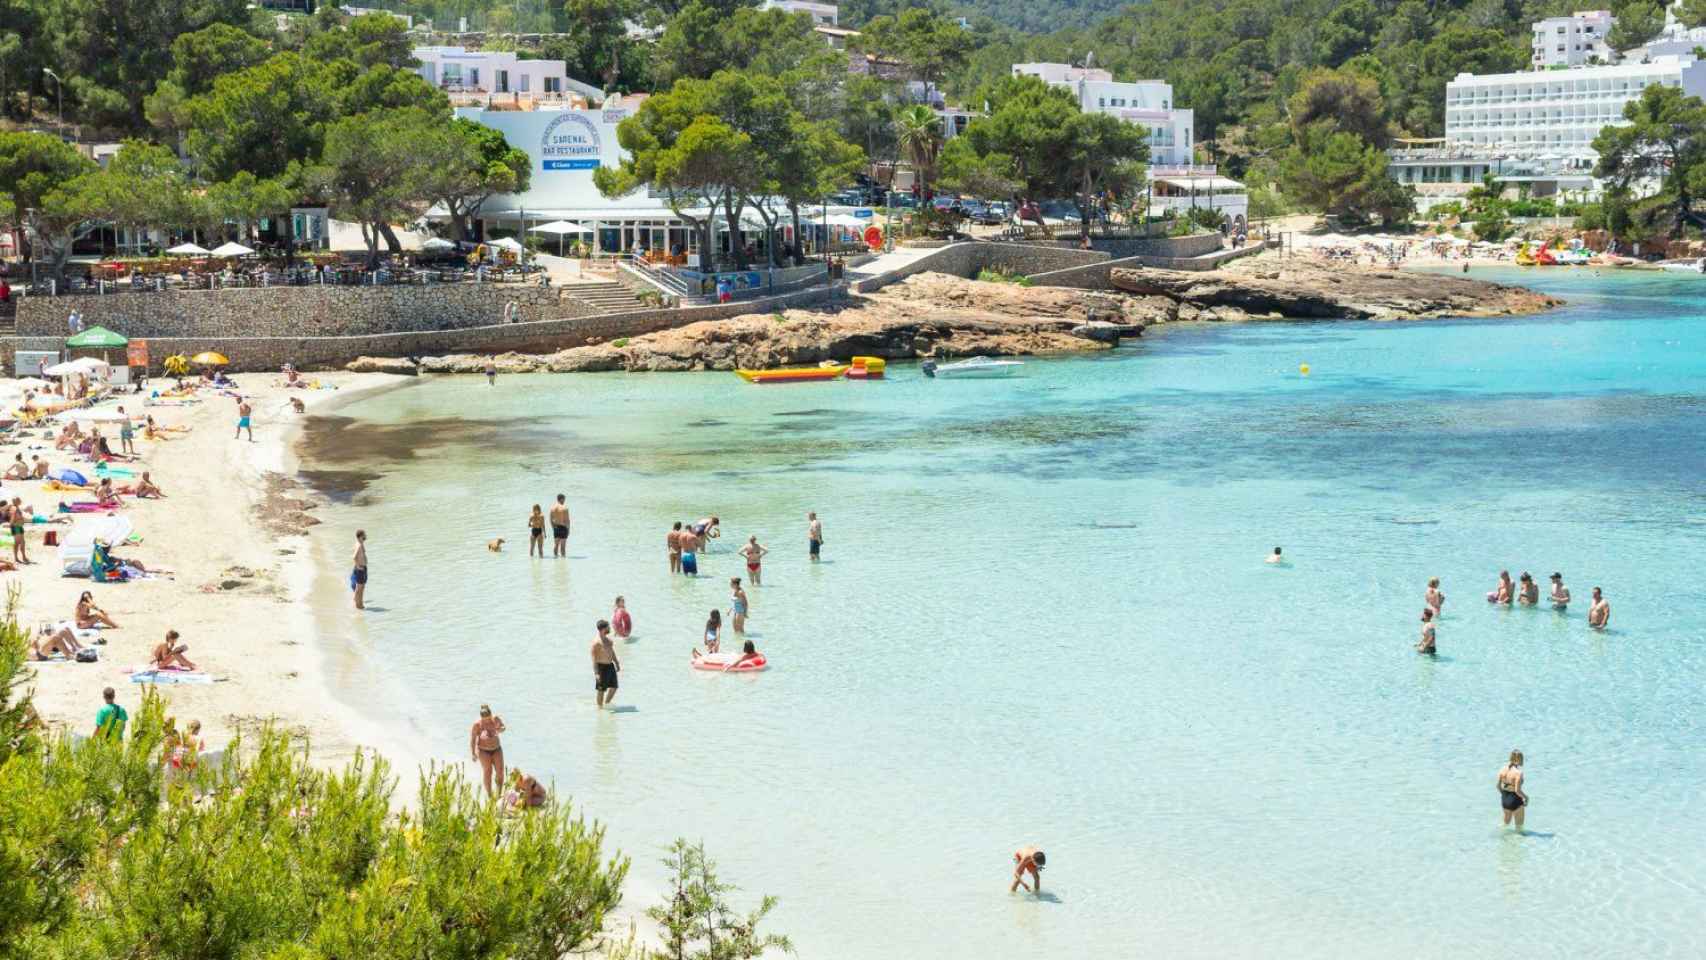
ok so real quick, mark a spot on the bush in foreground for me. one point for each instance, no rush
(257, 854)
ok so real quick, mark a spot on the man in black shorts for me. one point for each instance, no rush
(560, 528)
(605, 665)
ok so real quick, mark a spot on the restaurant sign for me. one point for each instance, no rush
(570, 143)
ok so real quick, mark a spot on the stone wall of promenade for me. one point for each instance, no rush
(1095, 276)
(309, 352)
(310, 311)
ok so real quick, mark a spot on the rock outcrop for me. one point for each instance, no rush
(401, 366)
(1271, 288)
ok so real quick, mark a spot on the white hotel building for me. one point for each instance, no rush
(1536, 128)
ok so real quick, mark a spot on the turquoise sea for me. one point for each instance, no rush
(1043, 617)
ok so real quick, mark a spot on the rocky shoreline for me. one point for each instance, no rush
(937, 315)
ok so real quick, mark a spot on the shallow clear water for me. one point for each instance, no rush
(1043, 617)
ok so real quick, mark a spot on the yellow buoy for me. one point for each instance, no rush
(1303, 368)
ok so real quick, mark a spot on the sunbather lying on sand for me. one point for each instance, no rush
(55, 643)
(143, 489)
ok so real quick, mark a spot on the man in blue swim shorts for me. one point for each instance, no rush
(243, 412)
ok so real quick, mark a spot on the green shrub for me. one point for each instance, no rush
(697, 912)
(619, 342)
(989, 275)
(260, 854)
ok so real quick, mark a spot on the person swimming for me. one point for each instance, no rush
(1560, 593)
(1512, 798)
(1528, 594)
(747, 654)
(1427, 643)
(1275, 557)
(1503, 593)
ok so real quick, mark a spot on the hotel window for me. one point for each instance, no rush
(1101, 101)
(526, 82)
(473, 76)
(553, 84)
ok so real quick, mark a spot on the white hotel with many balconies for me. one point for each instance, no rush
(1536, 128)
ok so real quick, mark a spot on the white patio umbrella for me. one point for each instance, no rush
(231, 250)
(437, 245)
(189, 250)
(508, 243)
(561, 228)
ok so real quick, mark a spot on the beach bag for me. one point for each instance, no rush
(50, 538)
(88, 655)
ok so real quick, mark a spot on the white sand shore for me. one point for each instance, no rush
(239, 594)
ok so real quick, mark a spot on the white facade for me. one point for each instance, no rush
(822, 14)
(1572, 41)
(1145, 102)
(1555, 112)
(492, 72)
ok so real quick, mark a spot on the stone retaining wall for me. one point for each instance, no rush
(541, 336)
(300, 311)
(1192, 246)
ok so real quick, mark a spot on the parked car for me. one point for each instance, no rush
(1000, 212)
(901, 201)
(1064, 210)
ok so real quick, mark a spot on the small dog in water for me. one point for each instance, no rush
(496, 546)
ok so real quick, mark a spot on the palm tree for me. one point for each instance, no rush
(918, 133)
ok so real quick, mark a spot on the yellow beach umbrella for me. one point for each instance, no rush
(210, 358)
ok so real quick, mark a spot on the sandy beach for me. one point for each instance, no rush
(234, 536)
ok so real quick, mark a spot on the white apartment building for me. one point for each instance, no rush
(1145, 102)
(822, 14)
(1573, 41)
(492, 73)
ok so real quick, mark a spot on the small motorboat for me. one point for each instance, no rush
(827, 371)
(1697, 265)
(974, 368)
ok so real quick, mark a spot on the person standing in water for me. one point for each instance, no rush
(358, 571)
(1426, 644)
(1503, 593)
(754, 555)
(814, 534)
(244, 421)
(673, 540)
(1528, 594)
(536, 532)
(487, 750)
(737, 610)
(1028, 860)
(1560, 593)
(620, 620)
(560, 528)
(713, 628)
(491, 372)
(1433, 598)
(1599, 612)
(605, 666)
(689, 559)
(1511, 795)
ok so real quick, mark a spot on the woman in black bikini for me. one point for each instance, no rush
(1511, 795)
(487, 749)
(536, 532)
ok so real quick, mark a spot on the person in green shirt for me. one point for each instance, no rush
(110, 719)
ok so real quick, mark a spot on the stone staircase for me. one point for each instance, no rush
(606, 297)
(9, 319)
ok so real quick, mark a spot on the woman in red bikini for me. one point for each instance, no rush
(754, 555)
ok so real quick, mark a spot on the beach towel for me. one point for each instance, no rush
(170, 676)
(62, 487)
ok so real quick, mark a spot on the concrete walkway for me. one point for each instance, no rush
(899, 257)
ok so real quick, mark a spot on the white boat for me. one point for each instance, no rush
(974, 368)
(1697, 265)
